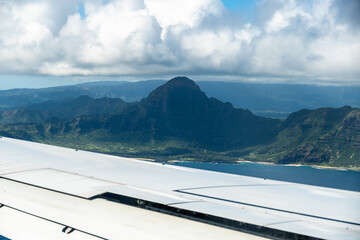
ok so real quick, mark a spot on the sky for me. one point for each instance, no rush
(49, 43)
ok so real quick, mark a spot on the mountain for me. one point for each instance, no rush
(178, 121)
(179, 110)
(83, 105)
(325, 135)
(22, 116)
(279, 100)
(269, 100)
(41, 112)
(127, 91)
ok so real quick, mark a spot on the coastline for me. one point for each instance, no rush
(303, 165)
(271, 163)
(338, 178)
(357, 169)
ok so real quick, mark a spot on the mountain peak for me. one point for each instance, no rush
(181, 81)
(179, 89)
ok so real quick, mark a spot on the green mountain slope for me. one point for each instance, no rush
(325, 136)
(177, 110)
(127, 91)
(81, 106)
(178, 121)
(269, 100)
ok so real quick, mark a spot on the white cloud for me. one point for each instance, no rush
(188, 12)
(27, 33)
(307, 41)
(221, 50)
(22, 37)
(282, 18)
(297, 39)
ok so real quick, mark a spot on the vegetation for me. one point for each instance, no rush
(179, 122)
(268, 100)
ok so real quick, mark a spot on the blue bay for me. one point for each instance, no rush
(332, 178)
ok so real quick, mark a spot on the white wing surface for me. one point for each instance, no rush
(49, 192)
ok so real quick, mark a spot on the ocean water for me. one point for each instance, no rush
(339, 179)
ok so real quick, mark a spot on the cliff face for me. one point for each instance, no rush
(178, 118)
(180, 110)
(329, 136)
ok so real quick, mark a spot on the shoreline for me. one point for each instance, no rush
(271, 163)
(303, 165)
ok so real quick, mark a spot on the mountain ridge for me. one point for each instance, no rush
(41, 112)
(179, 121)
(268, 100)
(179, 109)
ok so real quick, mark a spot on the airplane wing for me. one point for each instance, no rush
(49, 192)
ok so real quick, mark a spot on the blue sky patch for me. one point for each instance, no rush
(239, 4)
(81, 10)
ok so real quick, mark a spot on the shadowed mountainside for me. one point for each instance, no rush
(42, 112)
(178, 121)
(178, 109)
(269, 100)
(325, 135)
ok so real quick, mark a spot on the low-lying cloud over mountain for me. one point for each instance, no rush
(313, 41)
